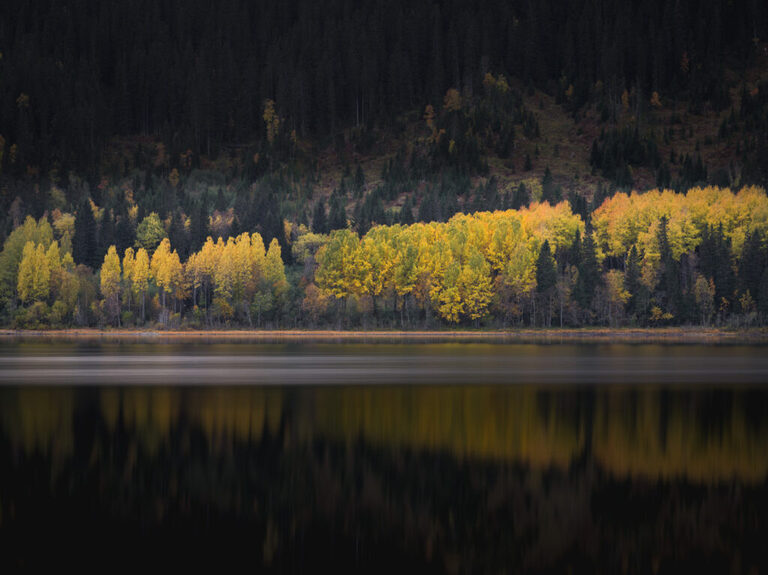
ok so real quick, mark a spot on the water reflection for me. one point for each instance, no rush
(457, 478)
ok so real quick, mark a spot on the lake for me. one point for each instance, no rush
(449, 457)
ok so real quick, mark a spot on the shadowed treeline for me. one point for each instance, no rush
(701, 436)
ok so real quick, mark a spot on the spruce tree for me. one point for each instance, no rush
(520, 199)
(589, 272)
(548, 188)
(762, 296)
(406, 212)
(178, 235)
(199, 225)
(546, 273)
(106, 232)
(337, 218)
(546, 279)
(751, 264)
(319, 225)
(669, 292)
(632, 282)
(125, 234)
(84, 244)
(359, 181)
(528, 166)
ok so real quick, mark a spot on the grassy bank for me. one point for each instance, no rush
(596, 335)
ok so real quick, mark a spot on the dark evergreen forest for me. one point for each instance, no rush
(76, 73)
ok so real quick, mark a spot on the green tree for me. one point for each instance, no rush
(762, 302)
(546, 279)
(633, 284)
(85, 244)
(319, 223)
(34, 274)
(668, 290)
(359, 182)
(589, 273)
(150, 233)
(37, 232)
(550, 192)
(520, 198)
(337, 219)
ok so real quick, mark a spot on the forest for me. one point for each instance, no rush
(650, 259)
(383, 164)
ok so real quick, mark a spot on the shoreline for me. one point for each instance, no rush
(522, 335)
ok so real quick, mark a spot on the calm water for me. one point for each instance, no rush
(462, 458)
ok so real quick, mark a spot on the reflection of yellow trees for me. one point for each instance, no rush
(39, 420)
(683, 444)
(151, 411)
(635, 433)
(222, 413)
(235, 413)
(466, 421)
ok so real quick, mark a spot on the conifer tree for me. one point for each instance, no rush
(751, 264)
(84, 244)
(406, 212)
(668, 289)
(546, 279)
(520, 198)
(319, 225)
(337, 219)
(359, 184)
(589, 272)
(549, 190)
(632, 283)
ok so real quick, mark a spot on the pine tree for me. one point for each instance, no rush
(546, 278)
(406, 212)
(125, 234)
(520, 199)
(319, 225)
(106, 232)
(762, 297)
(359, 181)
(589, 273)
(668, 290)
(528, 165)
(199, 225)
(751, 264)
(177, 233)
(632, 282)
(84, 244)
(337, 219)
(549, 191)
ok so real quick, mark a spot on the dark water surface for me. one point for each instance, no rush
(463, 458)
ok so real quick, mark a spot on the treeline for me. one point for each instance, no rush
(655, 258)
(195, 74)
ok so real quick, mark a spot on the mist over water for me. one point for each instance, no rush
(463, 457)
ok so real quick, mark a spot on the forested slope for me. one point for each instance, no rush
(314, 128)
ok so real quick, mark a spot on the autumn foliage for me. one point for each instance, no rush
(653, 258)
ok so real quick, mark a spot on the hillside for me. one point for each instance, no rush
(329, 132)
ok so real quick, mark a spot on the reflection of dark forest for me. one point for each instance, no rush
(457, 479)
